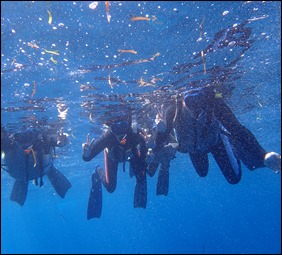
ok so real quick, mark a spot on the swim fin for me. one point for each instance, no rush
(19, 192)
(200, 162)
(152, 168)
(163, 180)
(60, 183)
(140, 192)
(94, 209)
(227, 160)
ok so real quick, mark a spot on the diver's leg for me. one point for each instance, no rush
(109, 175)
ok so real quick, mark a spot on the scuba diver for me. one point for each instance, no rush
(121, 142)
(160, 158)
(28, 155)
(203, 123)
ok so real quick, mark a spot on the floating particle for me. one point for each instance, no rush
(93, 5)
(231, 44)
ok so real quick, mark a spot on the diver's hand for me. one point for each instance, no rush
(166, 153)
(161, 126)
(63, 138)
(86, 147)
(272, 160)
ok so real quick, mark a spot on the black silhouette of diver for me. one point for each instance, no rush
(202, 124)
(120, 143)
(27, 155)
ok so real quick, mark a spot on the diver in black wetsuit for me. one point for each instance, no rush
(28, 155)
(120, 144)
(202, 124)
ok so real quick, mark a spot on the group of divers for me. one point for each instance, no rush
(197, 123)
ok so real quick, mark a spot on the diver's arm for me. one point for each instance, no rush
(62, 138)
(91, 150)
(57, 140)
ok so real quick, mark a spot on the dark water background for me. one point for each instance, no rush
(200, 215)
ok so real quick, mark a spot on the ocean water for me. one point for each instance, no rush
(60, 61)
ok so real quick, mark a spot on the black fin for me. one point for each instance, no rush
(163, 180)
(94, 209)
(227, 160)
(200, 162)
(19, 192)
(60, 183)
(140, 193)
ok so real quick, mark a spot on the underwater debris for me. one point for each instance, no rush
(93, 5)
(52, 52)
(107, 3)
(50, 18)
(34, 89)
(126, 51)
(53, 60)
(33, 45)
(139, 18)
(204, 61)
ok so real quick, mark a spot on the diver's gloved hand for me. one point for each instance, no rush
(272, 160)
(161, 126)
(179, 100)
(167, 153)
(86, 147)
(160, 155)
(62, 138)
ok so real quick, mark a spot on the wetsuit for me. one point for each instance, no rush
(28, 156)
(132, 148)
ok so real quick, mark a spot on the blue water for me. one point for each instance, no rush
(199, 215)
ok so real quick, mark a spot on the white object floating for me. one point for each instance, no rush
(93, 5)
